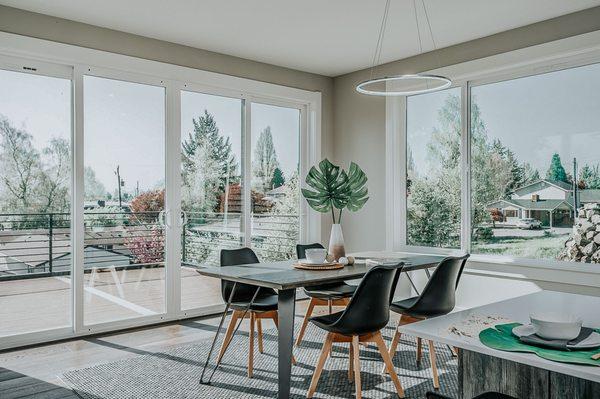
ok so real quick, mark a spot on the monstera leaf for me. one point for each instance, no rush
(334, 188)
(357, 189)
(330, 187)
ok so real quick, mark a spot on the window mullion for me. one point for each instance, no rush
(465, 145)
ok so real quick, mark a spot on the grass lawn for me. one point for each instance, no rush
(547, 246)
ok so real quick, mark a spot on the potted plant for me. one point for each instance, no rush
(335, 189)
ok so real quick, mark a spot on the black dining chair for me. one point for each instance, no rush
(438, 298)
(246, 302)
(486, 395)
(361, 322)
(330, 295)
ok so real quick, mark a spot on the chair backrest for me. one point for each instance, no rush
(369, 308)
(439, 295)
(301, 249)
(234, 257)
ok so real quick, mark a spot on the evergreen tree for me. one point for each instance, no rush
(278, 180)
(590, 176)
(556, 171)
(265, 160)
(206, 133)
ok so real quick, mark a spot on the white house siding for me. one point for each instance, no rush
(550, 192)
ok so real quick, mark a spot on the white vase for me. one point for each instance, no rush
(336, 242)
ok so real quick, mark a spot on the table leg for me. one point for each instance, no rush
(285, 310)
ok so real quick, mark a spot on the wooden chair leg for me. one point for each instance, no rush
(351, 363)
(436, 381)
(355, 353)
(320, 364)
(260, 335)
(228, 334)
(330, 305)
(394, 345)
(251, 348)
(387, 360)
(309, 311)
(419, 350)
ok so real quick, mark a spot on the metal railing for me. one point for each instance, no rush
(39, 245)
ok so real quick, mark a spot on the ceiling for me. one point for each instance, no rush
(328, 37)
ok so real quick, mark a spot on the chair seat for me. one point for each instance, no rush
(261, 304)
(405, 307)
(326, 321)
(330, 291)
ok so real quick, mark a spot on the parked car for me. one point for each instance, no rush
(529, 224)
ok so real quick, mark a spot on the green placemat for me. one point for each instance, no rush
(501, 338)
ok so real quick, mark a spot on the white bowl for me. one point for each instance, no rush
(556, 325)
(316, 255)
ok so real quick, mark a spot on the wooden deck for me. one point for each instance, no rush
(43, 303)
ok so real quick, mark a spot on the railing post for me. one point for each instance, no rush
(50, 234)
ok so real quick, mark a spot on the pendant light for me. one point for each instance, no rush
(406, 84)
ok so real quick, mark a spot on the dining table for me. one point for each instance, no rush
(285, 279)
(518, 374)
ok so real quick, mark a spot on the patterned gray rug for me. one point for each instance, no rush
(175, 373)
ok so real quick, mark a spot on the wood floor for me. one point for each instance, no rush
(42, 303)
(35, 372)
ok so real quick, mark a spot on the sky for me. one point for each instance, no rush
(534, 116)
(124, 123)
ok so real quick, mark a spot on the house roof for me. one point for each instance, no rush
(587, 195)
(541, 205)
(543, 182)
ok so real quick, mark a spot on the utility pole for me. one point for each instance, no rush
(137, 188)
(119, 182)
(575, 188)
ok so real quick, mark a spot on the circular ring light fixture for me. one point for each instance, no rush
(432, 83)
(401, 85)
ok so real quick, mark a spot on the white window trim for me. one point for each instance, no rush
(73, 62)
(558, 55)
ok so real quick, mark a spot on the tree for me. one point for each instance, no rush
(590, 177)
(200, 191)
(277, 180)
(206, 134)
(556, 171)
(94, 189)
(20, 165)
(55, 177)
(146, 206)
(265, 160)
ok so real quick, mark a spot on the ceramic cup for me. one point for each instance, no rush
(556, 325)
(316, 255)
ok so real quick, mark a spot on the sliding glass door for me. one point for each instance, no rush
(116, 186)
(275, 156)
(35, 202)
(124, 181)
(211, 190)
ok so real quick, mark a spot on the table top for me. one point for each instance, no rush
(461, 329)
(282, 275)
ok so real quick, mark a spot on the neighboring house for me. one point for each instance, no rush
(548, 201)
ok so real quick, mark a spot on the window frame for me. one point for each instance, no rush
(546, 58)
(63, 60)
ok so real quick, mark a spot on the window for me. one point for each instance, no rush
(534, 167)
(531, 138)
(433, 129)
(35, 202)
(124, 180)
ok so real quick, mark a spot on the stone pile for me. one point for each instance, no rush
(583, 244)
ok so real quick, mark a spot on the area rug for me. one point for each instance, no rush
(175, 373)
